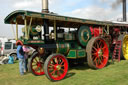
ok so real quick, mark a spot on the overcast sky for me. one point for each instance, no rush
(87, 9)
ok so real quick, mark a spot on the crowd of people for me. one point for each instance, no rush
(22, 54)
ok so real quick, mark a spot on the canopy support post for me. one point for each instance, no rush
(108, 29)
(29, 26)
(55, 29)
(26, 33)
(16, 31)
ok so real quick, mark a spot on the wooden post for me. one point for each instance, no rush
(26, 33)
(107, 29)
(16, 31)
(29, 26)
(55, 30)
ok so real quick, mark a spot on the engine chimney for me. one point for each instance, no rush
(124, 11)
(45, 6)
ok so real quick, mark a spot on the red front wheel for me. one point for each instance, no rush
(56, 67)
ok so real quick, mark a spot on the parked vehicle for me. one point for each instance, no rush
(8, 48)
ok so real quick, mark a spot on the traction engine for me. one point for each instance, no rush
(60, 41)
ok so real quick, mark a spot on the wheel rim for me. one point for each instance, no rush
(125, 47)
(100, 53)
(57, 67)
(37, 65)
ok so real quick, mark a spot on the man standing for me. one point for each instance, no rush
(20, 55)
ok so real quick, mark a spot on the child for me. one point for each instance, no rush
(26, 50)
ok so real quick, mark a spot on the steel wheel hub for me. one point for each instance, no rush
(39, 64)
(58, 67)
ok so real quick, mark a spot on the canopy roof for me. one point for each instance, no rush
(62, 21)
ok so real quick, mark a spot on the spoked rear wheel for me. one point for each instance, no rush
(97, 53)
(125, 47)
(36, 64)
(56, 67)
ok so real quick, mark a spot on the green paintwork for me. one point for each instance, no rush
(33, 31)
(76, 53)
(84, 35)
(72, 54)
(63, 47)
(32, 42)
(71, 49)
(81, 53)
(62, 21)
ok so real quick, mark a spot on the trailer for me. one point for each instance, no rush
(62, 40)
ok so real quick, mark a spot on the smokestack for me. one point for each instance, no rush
(45, 6)
(124, 11)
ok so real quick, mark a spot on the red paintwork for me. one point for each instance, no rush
(116, 33)
(96, 31)
(56, 61)
(100, 61)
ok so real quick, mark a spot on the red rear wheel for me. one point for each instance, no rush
(56, 67)
(97, 53)
(36, 64)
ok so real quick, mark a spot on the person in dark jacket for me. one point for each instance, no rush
(20, 55)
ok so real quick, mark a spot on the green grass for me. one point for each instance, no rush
(113, 74)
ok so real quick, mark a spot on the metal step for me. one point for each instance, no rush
(116, 52)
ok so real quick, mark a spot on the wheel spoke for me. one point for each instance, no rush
(96, 63)
(53, 72)
(56, 60)
(94, 54)
(51, 65)
(50, 68)
(34, 65)
(97, 45)
(40, 68)
(36, 69)
(52, 62)
(36, 60)
(62, 65)
(103, 48)
(100, 62)
(94, 48)
(62, 69)
(100, 42)
(61, 62)
(95, 59)
(58, 73)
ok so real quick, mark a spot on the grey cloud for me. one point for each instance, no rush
(116, 3)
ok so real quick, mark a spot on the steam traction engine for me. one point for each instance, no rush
(60, 40)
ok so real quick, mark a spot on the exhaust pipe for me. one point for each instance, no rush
(124, 11)
(45, 6)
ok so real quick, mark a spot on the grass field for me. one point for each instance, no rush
(113, 74)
